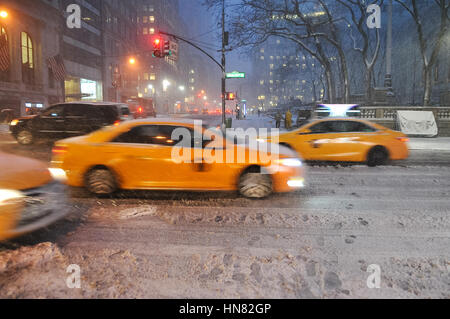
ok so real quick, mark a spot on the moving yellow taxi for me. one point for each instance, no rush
(346, 140)
(31, 195)
(143, 154)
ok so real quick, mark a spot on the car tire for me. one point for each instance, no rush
(100, 182)
(377, 156)
(25, 137)
(255, 185)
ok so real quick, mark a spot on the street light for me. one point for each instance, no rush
(132, 61)
(166, 84)
(3, 14)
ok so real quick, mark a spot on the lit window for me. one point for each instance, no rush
(144, 31)
(261, 82)
(152, 76)
(145, 19)
(152, 31)
(262, 50)
(262, 57)
(27, 58)
(151, 19)
(271, 66)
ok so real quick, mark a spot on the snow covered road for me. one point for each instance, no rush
(316, 243)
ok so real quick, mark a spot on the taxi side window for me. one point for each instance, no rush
(322, 127)
(151, 134)
(351, 127)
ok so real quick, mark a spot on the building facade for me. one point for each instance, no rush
(32, 31)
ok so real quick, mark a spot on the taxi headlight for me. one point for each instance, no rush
(58, 174)
(290, 162)
(14, 122)
(7, 195)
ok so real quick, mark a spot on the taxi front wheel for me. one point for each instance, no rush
(255, 185)
(101, 182)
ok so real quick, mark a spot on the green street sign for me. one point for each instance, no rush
(235, 75)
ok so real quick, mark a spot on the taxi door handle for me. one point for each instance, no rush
(314, 143)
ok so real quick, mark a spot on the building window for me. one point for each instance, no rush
(151, 31)
(151, 19)
(152, 76)
(4, 75)
(144, 31)
(27, 59)
(262, 57)
(144, 19)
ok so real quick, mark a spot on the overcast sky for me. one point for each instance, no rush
(190, 9)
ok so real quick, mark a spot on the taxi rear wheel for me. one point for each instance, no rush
(255, 185)
(101, 182)
(377, 156)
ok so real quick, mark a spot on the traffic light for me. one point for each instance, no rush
(157, 52)
(167, 51)
(230, 96)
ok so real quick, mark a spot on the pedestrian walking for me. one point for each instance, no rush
(278, 118)
(288, 120)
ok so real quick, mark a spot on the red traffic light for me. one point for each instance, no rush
(157, 43)
(230, 96)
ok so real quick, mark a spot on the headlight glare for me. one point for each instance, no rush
(290, 162)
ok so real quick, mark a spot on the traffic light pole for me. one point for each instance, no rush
(221, 65)
(195, 46)
(223, 68)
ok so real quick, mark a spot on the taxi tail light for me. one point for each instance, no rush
(58, 150)
(117, 123)
(403, 139)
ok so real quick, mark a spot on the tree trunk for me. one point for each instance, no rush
(331, 88)
(345, 76)
(368, 85)
(427, 86)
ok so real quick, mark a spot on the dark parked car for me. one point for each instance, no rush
(67, 120)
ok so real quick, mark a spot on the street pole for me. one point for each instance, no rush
(388, 78)
(223, 68)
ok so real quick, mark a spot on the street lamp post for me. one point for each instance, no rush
(223, 68)
(388, 77)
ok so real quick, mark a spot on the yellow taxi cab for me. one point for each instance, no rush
(346, 140)
(143, 154)
(31, 195)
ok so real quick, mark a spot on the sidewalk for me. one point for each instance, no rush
(435, 144)
(4, 128)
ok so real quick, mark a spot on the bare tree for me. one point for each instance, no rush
(430, 46)
(256, 21)
(357, 10)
